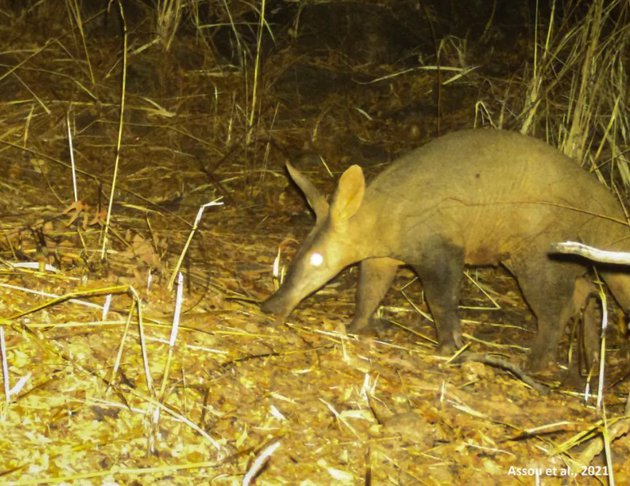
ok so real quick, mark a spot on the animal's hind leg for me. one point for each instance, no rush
(375, 278)
(548, 288)
(619, 284)
(585, 312)
(586, 306)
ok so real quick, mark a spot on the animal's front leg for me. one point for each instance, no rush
(441, 273)
(374, 280)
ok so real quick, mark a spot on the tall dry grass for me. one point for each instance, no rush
(578, 86)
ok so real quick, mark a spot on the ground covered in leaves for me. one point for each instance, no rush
(100, 387)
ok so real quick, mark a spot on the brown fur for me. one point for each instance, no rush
(474, 197)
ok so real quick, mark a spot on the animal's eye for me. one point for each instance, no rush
(316, 259)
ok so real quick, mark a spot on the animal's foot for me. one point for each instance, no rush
(447, 348)
(538, 360)
(362, 325)
(450, 343)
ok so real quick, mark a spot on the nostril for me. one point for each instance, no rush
(273, 305)
(279, 305)
(267, 306)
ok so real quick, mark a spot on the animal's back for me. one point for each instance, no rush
(477, 185)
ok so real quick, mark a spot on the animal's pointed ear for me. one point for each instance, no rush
(315, 200)
(349, 195)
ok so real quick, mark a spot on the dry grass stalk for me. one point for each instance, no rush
(585, 58)
(194, 229)
(74, 10)
(168, 16)
(253, 107)
(121, 119)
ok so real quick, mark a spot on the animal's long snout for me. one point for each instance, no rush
(279, 304)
